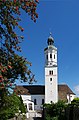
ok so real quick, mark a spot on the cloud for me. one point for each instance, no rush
(76, 89)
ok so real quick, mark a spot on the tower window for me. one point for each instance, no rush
(35, 102)
(50, 55)
(47, 57)
(50, 79)
(54, 56)
(51, 72)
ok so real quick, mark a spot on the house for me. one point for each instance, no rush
(34, 96)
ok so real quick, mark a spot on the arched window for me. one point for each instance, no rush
(50, 55)
(50, 79)
(30, 106)
(54, 56)
(51, 72)
(47, 57)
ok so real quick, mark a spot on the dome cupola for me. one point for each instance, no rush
(50, 40)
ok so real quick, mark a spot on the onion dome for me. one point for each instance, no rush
(50, 40)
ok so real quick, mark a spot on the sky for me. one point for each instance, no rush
(61, 18)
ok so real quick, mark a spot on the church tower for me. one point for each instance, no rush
(51, 74)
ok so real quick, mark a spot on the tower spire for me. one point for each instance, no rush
(50, 39)
(50, 34)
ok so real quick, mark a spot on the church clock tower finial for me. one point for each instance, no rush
(50, 34)
(50, 39)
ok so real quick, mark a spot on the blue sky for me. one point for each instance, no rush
(61, 17)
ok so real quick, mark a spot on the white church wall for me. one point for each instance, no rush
(70, 97)
(73, 96)
(48, 69)
(29, 105)
(39, 99)
(28, 102)
(54, 55)
(30, 98)
(51, 87)
(26, 97)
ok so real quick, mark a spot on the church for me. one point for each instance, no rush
(34, 96)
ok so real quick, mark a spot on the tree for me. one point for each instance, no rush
(55, 111)
(13, 66)
(22, 108)
(75, 102)
(11, 104)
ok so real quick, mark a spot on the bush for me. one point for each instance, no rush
(11, 104)
(75, 102)
(55, 111)
(51, 118)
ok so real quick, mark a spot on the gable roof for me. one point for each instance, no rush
(40, 89)
(65, 88)
(30, 90)
(63, 91)
(36, 89)
(20, 90)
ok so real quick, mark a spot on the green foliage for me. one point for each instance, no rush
(22, 108)
(24, 117)
(11, 105)
(51, 118)
(55, 111)
(75, 102)
(12, 65)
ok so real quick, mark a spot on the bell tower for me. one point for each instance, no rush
(51, 74)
